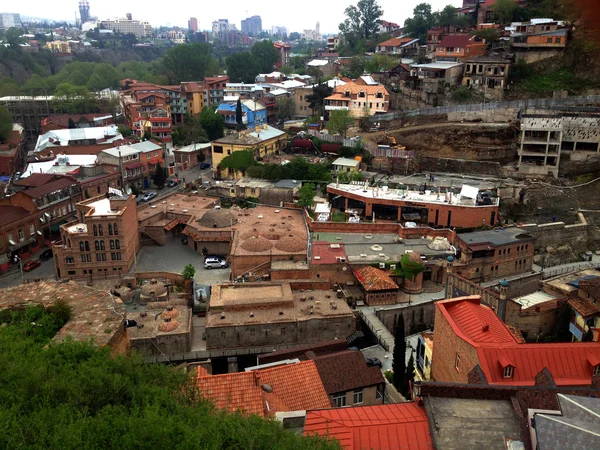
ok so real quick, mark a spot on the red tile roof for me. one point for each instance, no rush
(394, 426)
(9, 214)
(395, 42)
(584, 307)
(37, 179)
(591, 286)
(568, 363)
(456, 40)
(48, 188)
(295, 387)
(374, 279)
(346, 371)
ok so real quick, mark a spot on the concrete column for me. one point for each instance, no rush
(368, 209)
(232, 364)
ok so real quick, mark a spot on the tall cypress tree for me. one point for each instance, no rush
(239, 116)
(399, 362)
(410, 375)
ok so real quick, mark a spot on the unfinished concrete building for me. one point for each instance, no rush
(546, 137)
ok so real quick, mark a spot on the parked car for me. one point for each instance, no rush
(172, 183)
(207, 257)
(204, 166)
(46, 255)
(215, 263)
(373, 362)
(30, 265)
(149, 196)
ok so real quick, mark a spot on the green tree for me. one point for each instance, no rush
(74, 99)
(13, 37)
(189, 62)
(410, 374)
(190, 132)
(356, 68)
(489, 34)
(36, 85)
(380, 63)
(316, 100)
(306, 195)
(160, 176)
(362, 21)
(294, 36)
(339, 122)
(421, 21)
(125, 131)
(239, 116)
(238, 161)
(241, 68)
(505, 10)
(188, 272)
(447, 16)
(8, 86)
(6, 123)
(399, 355)
(212, 123)
(286, 108)
(265, 56)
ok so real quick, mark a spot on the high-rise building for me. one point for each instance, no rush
(282, 31)
(252, 26)
(84, 11)
(193, 24)
(10, 20)
(141, 29)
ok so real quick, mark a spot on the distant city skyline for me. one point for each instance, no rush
(178, 12)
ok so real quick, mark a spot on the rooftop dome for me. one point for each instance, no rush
(154, 289)
(291, 244)
(171, 313)
(256, 244)
(439, 243)
(168, 325)
(217, 218)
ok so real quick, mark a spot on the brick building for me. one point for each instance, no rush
(51, 197)
(147, 111)
(271, 314)
(486, 255)
(102, 242)
(378, 288)
(429, 208)
(459, 47)
(19, 234)
(136, 161)
(12, 151)
(65, 121)
(472, 345)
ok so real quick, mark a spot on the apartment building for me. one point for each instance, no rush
(214, 89)
(538, 39)
(102, 242)
(60, 47)
(141, 29)
(284, 53)
(458, 47)
(252, 26)
(20, 234)
(333, 43)
(360, 98)
(137, 162)
(148, 113)
(404, 47)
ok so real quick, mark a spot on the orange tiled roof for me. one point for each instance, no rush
(354, 88)
(295, 387)
(395, 42)
(591, 286)
(584, 307)
(399, 426)
(374, 279)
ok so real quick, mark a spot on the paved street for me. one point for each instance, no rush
(173, 257)
(13, 276)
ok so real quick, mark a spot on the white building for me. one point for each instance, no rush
(10, 20)
(141, 29)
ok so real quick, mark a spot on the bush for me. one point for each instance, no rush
(188, 272)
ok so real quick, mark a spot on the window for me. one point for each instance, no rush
(378, 395)
(70, 260)
(21, 235)
(101, 245)
(100, 230)
(112, 244)
(72, 272)
(87, 246)
(96, 245)
(549, 40)
(95, 230)
(83, 258)
(457, 362)
(110, 229)
(31, 229)
(358, 397)
(115, 229)
(596, 370)
(557, 40)
(283, 331)
(81, 247)
(340, 400)
(117, 244)
(217, 149)
(508, 371)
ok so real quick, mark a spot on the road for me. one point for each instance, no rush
(13, 276)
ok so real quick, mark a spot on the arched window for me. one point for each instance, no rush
(115, 230)
(117, 244)
(112, 244)
(100, 230)
(95, 230)
(101, 245)
(97, 245)
(110, 229)
(81, 246)
(87, 246)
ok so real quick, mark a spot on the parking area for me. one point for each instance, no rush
(173, 257)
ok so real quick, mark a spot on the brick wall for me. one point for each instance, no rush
(532, 323)
(458, 286)
(447, 346)
(416, 317)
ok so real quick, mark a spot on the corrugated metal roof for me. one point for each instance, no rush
(527, 301)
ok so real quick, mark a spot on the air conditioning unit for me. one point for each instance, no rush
(392, 266)
(343, 260)
(382, 265)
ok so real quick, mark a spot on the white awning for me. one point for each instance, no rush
(469, 191)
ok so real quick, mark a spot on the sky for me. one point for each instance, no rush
(296, 16)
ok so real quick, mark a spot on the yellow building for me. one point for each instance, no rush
(194, 93)
(423, 356)
(59, 47)
(263, 140)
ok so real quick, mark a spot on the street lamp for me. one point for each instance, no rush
(16, 258)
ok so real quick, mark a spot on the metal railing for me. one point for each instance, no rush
(375, 331)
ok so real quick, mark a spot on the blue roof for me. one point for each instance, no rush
(575, 282)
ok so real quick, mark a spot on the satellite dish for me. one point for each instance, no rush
(128, 191)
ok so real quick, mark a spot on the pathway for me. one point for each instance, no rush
(554, 271)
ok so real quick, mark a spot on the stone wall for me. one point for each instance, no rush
(505, 115)
(416, 317)
(558, 233)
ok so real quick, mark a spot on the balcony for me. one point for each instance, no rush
(335, 108)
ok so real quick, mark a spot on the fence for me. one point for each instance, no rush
(375, 332)
(549, 273)
(346, 142)
(517, 104)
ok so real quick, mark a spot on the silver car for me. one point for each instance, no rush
(215, 263)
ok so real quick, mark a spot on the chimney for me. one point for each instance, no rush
(257, 378)
(485, 327)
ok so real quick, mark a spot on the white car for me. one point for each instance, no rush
(215, 263)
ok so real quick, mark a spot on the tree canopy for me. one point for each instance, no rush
(306, 195)
(74, 395)
(339, 122)
(362, 21)
(212, 123)
(316, 100)
(190, 132)
(189, 62)
(238, 161)
(286, 108)
(245, 66)
(6, 123)
(160, 176)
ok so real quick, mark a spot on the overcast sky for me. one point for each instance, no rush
(296, 16)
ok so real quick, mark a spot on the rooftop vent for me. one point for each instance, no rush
(222, 316)
(251, 314)
(260, 216)
(281, 313)
(485, 327)
(267, 388)
(277, 211)
(167, 319)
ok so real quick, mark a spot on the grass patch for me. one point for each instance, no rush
(338, 217)
(561, 80)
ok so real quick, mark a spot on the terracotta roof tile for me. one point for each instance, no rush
(394, 426)
(354, 88)
(295, 387)
(374, 279)
(591, 286)
(48, 188)
(345, 371)
(9, 214)
(457, 40)
(584, 307)
(395, 42)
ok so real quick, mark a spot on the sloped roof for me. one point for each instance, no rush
(9, 214)
(374, 279)
(295, 387)
(354, 88)
(457, 40)
(584, 307)
(345, 371)
(48, 188)
(568, 363)
(37, 179)
(396, 42)
(393, 426)
(591, 286)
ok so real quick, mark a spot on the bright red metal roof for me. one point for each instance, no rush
(393, 426)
